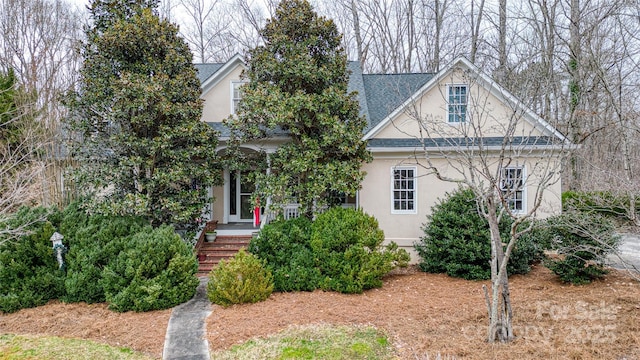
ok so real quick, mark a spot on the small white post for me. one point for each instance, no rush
(58, 247)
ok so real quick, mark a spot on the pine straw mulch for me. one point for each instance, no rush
(425, 315)
(143, 332)
(428, 315)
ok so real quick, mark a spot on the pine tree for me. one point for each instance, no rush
(297, 83)
(140, 144)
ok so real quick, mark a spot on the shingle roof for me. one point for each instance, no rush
(378, 94)
(385, 92)
(206, 70)
(356, 83)
(221, 128)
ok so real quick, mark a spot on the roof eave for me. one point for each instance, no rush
(456, 149)
(216, 77)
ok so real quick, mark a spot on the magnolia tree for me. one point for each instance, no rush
(489, 142)
(140, 143)
(297, 89)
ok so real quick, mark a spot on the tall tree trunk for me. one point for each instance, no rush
(475, 29)
(502, 43)
(500, 312)
(574, 86)
(356, 29)
(439, 15)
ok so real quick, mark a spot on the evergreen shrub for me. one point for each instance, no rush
(156, 270)
(612, 205)
(29, 272)
(457, 241)
(581, 242)
(284, 245)
(93, 243)
(347, 246)
(242, 279)
(341, 250)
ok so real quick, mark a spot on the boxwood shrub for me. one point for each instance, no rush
(348, 249)
(121, 260)
(284, 245)
(341, 250)
(155, 270)
(457, 242)
(93, 241)
(242, 279)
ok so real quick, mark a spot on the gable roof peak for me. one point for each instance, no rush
(209, 80)
(481, 79)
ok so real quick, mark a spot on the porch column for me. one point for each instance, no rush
(268, 172)
(226, 198)
(267, 213)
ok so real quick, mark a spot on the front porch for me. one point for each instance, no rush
(236, 228)
(230, 238)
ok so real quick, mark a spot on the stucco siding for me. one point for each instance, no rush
(217, 100)
(406, 228)
(429, 114)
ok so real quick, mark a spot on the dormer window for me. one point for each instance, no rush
(236, 95)
(457, 103)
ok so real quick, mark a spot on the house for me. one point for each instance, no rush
(415, 124)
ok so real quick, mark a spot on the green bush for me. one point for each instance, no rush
(117, 259)
(575, 271)
(347, 246)
(243, 279)
(156, 270)
(457, 241)
(29, 272)
(93, 243)
(284, 246)
(341, 250)
(582, 243)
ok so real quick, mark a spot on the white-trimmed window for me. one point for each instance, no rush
(512, 185)
(236, 95)
(404, 190)
(457, 96)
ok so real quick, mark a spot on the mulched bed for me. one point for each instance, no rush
(425, 315)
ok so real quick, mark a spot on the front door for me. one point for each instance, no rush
(240, 191)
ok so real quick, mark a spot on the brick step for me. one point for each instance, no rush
(225, 239)
(224, 247)
(228, 252)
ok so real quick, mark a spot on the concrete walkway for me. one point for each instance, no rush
(186, 332)
(628, 256)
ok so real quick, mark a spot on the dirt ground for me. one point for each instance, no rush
(425, 316)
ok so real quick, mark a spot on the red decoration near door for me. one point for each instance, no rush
(256, 213)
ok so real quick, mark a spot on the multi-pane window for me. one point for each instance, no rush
(457, 100)
(512, 187)
(236, 95)
(404, 190)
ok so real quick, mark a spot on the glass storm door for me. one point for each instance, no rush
(240, 191)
